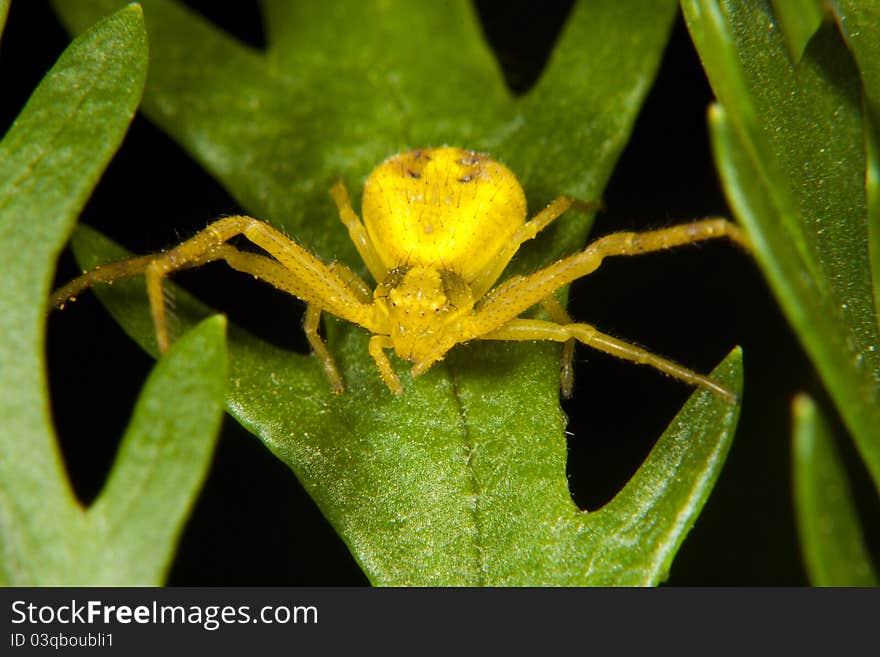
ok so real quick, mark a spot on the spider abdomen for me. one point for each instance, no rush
(447, 208)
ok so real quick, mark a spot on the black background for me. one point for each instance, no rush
(254, 525)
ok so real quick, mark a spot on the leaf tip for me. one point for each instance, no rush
(803, 406)
(803, 412)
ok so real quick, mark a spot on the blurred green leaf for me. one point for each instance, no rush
(4, 12)
(798, 20)
(50, 160)
(834, 549)
(860, 25)
(461, 479)
(789, 143)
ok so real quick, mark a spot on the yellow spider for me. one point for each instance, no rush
(439, 227)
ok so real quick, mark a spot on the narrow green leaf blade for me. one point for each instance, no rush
(4, 12)
(833, 547)
(50, 160)
(641, 529)
(162, 460)
(860, 25)
(789, 143)
(799, 20)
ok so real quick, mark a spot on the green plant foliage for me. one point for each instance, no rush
(860, 25)
(798, 21)
(50, 160)
(461, 479)
(831, 538)
(790, 146)
(795, 140)
(4, 11)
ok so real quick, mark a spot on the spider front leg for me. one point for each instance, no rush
(557, 312)
(535, 329)
(515, 296)
(332, 288)
(495, 318)
(306, 277)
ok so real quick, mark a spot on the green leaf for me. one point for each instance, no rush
(799, 20)
(860, 25)
(162, 460)
(4, 12)
(833, 547)
(638, 533)
(789, 143)
(461, 479)
(50, 160)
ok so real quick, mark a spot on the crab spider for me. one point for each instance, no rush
(439, 227)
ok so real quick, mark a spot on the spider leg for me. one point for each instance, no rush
(357, 232)
(310, 326)
(517, 295)
(312, 320)
(526, 232)
(106, 273)
(560, 315)
(535, 329)
(113, 271)
(294, 270)
(270, 271)
(354, 282)
(378, 345)
(557, 312)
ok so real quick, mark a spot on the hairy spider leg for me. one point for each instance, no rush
(527, 231)
(377, 346)
(312, 319)
(536, 329)
(557, 312)
(357, 231)
(560, 315)
(506, 302)
(106, 273)
(333, 288)
(310, 279)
